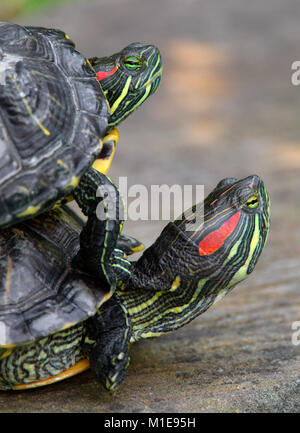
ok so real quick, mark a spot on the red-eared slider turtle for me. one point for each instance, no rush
(55, 108)
(53, 316)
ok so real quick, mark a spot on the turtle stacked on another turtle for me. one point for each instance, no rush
(58, 111)
(55, 316)
(69, 298)
(56, 106)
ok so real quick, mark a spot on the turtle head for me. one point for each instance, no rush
(231, 226)
(200, 257)
(128, 78)
(224, 236)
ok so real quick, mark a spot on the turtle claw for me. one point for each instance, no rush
(109, 331)
(129, 245)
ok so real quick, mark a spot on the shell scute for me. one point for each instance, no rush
(15, 40)
(53, 116)
(35, 109)
(89, 133)
(10, 163)
(71, 62)
(39, 292)
(89, 98)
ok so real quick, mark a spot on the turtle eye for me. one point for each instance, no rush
(133, 63)
(252, 202)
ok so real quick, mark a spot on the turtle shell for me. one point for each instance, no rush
(39, 291)
(53, 115)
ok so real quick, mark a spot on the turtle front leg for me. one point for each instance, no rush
(128, 244)
(100, 200)
(107, 343)
(102, 163)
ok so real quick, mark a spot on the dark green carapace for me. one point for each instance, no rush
(53, 314)
(55, 110)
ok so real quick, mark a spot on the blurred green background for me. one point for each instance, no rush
(10, 9)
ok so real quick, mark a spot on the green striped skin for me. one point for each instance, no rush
(153, 305)
(171, 284)
(41, 359)
(54, 114)
(178, 278)
(137, 74)
(100, 200)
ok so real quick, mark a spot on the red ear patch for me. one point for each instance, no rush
(103, 74)
(214, 240)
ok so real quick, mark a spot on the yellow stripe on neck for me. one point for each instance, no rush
(121, 97)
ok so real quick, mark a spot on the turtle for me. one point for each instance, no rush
(58, 113)
(57, 320)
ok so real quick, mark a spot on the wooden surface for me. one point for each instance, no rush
(226, 107)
